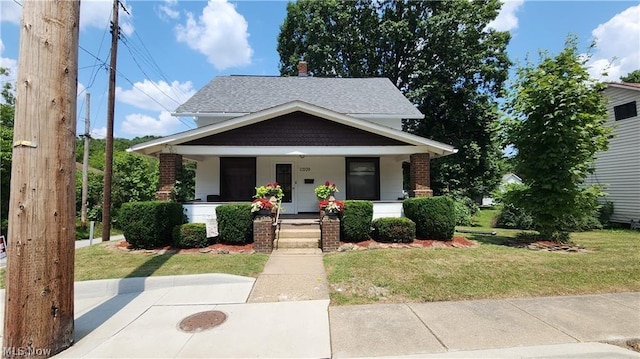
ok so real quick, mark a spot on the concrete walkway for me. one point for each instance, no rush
(291, 275)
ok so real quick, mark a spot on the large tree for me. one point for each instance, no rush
(7, 109)
(557, 127)
(441, 54)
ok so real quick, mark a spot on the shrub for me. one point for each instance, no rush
(190, 235)
(604, 213)
(394, 229)
(356, 220)
(434, 216)
(513, 217)
(149, 224)
(235, 223)
(464, 208)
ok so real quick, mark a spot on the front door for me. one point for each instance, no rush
(284, 177)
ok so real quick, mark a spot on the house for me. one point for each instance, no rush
(507, 179)
(618, 168)
(298, 131)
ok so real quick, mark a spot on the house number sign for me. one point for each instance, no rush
(305, 169)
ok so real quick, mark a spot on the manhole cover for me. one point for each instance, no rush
(202, 321)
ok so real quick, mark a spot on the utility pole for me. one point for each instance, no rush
(85, 162)
(38, 317)
(108, 153)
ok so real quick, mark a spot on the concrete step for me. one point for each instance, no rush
(300, 233)
(290, 243)
(296, 251)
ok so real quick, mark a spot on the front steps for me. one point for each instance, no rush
(297, 234)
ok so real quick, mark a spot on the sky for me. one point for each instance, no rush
(170, 49)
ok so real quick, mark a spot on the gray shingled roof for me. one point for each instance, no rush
(248, 94)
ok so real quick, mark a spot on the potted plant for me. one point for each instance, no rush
(326, 190)
(331, 208)
(271, 189)
(261, 207)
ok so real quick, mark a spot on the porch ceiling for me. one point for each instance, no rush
(191, 151)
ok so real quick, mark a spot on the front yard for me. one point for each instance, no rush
(494, 269)
(100, 262)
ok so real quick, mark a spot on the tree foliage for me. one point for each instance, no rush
(632, 77)
(440, 54)
(7, 110)
(557, 128)
(135, 178)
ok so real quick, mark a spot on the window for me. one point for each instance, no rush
(626, 110)
(363, 178)
(237, 178)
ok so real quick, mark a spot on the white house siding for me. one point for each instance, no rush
(315, 168)
(618, 169)
(207, 178)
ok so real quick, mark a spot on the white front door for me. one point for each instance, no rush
(286, 179)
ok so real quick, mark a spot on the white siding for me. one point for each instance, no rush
(618, 169)
(207, 178)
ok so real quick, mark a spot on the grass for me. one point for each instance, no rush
(83, 233)
(100, 262)
(491, 270)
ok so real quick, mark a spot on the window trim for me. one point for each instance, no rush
(376, 162)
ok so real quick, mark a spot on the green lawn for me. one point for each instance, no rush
(490, 270)
(99, 262)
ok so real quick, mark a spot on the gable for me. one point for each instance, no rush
(296, 129)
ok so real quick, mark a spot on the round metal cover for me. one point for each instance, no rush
(202, 321)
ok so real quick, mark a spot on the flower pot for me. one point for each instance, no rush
(332, 215)
(263, 212)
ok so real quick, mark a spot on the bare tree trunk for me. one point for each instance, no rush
(38, 319)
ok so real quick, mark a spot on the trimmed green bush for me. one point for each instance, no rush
(394, 229)
(149, 224)
(235, 223)
(356, 220)
(190, 235)
(434, 216)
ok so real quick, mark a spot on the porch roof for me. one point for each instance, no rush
(409, 143)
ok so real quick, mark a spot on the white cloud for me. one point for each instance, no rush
(617, 46)
(93, 13)
(99, 132)
(156, 96)
(142, 125)
(168, 10)
(10, 12)
(507, 19)
(220, 33)
(8, 63)
(81, 89)
(97, 13)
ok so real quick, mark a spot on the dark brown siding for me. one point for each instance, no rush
(296, 129)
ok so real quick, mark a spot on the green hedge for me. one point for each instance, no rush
(149, 224)
(356, 220)
(235, 223)
(434, 216)
(190, 235)
(394, 229)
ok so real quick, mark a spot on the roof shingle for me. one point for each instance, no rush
(249, 94)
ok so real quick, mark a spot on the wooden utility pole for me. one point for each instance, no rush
(85, 162)
(108, 153)
(38, 317)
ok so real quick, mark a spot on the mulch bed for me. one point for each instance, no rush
(218, 248)
(456, 242)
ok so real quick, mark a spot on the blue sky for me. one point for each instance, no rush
(170, 49)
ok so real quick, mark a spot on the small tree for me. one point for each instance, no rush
(633, 77)
(558, 126)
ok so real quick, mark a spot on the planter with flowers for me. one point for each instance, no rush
(271, 192)
(326, 191)
(332, 209)
(262, 207)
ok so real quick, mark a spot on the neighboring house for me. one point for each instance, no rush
(507, 179)
(618, 169)
(298, 131)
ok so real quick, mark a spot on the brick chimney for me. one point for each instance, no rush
(302, 68)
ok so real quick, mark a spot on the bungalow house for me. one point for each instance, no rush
(298, 131)
(618, 168)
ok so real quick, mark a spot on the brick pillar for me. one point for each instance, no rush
(263, 234)
(170, 166)
(330, 234)
(420, 175)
